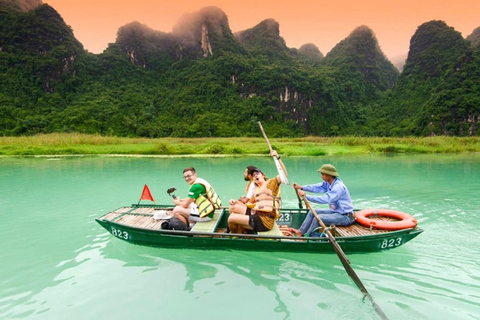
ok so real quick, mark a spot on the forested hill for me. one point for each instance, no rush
(202, 80)
(474, 38)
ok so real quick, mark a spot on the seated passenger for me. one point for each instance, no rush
(250, 189)
(201, 202)
(260, 213)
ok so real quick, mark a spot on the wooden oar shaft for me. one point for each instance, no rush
(265, 135)
(336, 246)
(345, 262)
(280, 168)
(299, 202)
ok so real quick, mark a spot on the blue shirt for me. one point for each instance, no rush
(336, 195)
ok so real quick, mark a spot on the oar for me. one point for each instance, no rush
(343, 258)
(299, 201)
(280, 171)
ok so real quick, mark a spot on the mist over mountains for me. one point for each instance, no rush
(22, 5)
(202, 80)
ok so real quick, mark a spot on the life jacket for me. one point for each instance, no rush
(248, 186)
(266, 200)
(207, 203)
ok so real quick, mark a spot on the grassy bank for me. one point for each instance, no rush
(81, 144)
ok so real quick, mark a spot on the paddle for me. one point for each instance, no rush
(280, 171)
(343, 258)
(299, 201)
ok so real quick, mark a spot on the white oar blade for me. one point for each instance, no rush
(280, 171)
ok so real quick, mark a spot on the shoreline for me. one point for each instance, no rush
(82, 145)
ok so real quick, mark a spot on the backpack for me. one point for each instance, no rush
(174, 224)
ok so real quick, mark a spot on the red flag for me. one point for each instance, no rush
(146, 195)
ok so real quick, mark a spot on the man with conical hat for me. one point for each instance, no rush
(334, 193)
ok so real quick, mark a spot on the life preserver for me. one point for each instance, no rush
(405, 220)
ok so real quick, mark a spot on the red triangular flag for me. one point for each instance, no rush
(146, 195)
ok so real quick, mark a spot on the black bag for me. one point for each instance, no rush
(174, 224)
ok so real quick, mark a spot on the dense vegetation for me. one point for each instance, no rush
(203, 81)
(75, 144)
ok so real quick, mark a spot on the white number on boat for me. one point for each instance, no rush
(391, 243)
(120, 234)
(284, 217)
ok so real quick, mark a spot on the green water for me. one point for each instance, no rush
(58, 263)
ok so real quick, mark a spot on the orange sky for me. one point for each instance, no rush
(324, 23)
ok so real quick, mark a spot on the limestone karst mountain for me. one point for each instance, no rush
(196, 35)
(22, 5)
(205, 32)
(200, 80)
(264, 39)
(434, 94)
(431, 47)
(310, 52)
(474, 37)
(361, 51)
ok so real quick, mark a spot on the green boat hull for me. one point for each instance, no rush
(225, 241)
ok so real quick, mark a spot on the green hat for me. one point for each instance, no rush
(328, 169)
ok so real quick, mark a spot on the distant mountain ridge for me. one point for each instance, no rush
(474, 37)
(202, 80)
(310, 52)
(361, 49)
(22, 5)
(264, 39)
(437, 52)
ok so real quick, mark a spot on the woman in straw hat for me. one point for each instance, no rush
(335, 194)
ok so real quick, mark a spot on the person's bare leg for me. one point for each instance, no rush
(181, 214)
(238, 220)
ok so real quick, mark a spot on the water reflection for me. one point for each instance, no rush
(288, 277)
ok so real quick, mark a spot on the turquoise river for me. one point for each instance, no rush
(58, 263)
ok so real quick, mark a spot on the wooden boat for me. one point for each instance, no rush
(136, 224)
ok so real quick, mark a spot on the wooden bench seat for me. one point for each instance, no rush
(208, 226)
(274, 232)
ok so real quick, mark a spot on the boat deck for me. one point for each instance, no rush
(357, 230)
(138, 217)
(142, 217)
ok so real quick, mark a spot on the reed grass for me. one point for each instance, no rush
(83, 144)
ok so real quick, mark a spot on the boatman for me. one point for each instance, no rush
(335, 194)
(201, 202)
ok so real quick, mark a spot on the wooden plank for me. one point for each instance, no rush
(146, 222)
(127, 219)
(357, 230)
(137, 220)
(111, 216)
(208, 226)
(156, 224)
(141, 210)
(123, 209)
(274, 232)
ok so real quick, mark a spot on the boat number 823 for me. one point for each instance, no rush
(391, 243)
(284, 217)
(120, 234)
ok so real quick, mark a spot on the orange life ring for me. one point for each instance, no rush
(405, 220)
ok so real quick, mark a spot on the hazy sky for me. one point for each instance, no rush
(324, 23)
